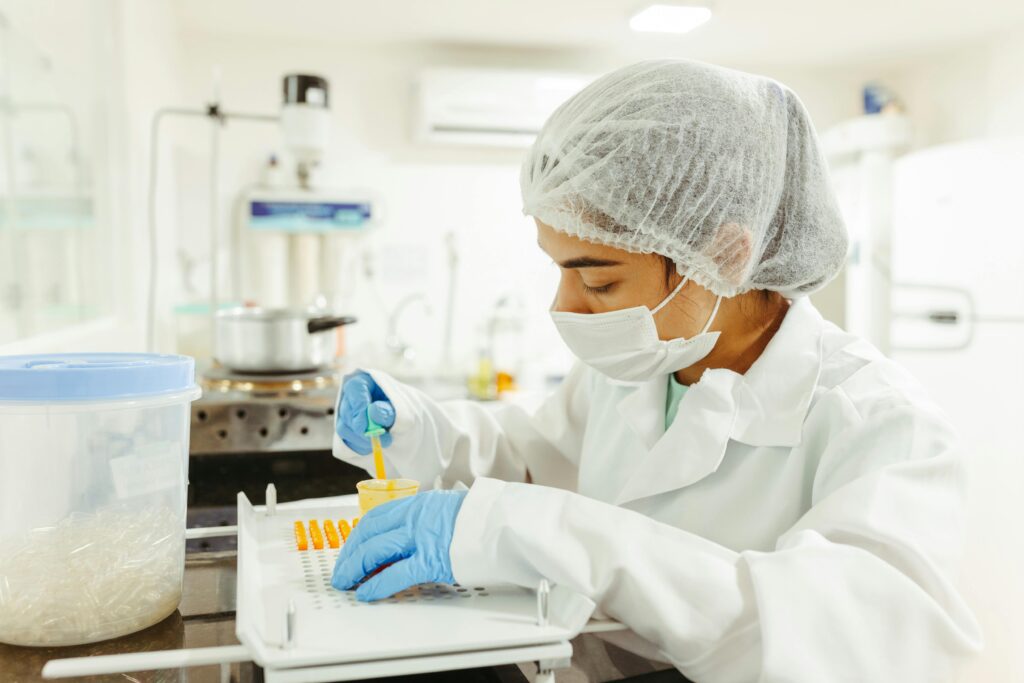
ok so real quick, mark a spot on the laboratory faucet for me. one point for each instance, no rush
(394, 343)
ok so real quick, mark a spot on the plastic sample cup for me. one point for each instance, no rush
(374, 492)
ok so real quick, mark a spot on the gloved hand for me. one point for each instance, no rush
(359, 392)
(414, 533)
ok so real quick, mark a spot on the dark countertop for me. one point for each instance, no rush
(205, 618)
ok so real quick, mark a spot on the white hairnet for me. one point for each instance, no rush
(716, 169)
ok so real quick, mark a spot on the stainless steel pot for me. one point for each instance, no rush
(259, 340)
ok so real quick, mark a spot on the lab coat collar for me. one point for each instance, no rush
(765, 407)
(775, 394)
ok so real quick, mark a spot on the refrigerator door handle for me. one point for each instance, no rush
(944, 317)
(965, 317)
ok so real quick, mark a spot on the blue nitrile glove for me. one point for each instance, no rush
(359, 392)
(414, 533)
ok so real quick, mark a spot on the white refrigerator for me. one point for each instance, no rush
(957, 311)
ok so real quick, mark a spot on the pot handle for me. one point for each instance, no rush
(328, 323)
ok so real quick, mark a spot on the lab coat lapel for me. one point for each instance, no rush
(694, 444)
(639, 408)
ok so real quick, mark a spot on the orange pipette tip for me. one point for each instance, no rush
(354, 522)
(300, 537)
(344, 529)
(331, 533)
(315, 535)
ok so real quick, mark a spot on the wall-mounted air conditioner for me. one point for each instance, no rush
(488, 107)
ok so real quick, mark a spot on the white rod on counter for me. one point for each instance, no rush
(145, 661)
(211, 532)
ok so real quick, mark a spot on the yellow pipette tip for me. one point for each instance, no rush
(374, 430)
(378, 458)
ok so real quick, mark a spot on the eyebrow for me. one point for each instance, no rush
(588, 262)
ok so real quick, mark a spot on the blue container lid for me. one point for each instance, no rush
(93, 376)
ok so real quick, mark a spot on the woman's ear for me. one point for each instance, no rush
(731, 250)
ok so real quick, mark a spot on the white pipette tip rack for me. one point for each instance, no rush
(290, 616)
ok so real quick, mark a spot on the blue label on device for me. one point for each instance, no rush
(309, 216)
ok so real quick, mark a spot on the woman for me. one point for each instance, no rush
(757, 494)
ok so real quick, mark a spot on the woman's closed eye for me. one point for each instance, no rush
(601, 289)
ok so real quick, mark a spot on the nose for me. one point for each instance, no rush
(568, 298)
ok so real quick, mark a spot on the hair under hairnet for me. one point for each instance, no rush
(718, 170)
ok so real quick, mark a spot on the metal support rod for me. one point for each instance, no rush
(216, 122)
(154, 155)
(243, 116)
(220, 117)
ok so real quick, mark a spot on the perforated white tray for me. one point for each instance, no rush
(331, 627)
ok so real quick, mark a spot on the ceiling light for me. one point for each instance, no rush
(669, 18)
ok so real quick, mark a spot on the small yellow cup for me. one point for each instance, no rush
(374, 492)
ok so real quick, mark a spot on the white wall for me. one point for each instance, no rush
(973, 91)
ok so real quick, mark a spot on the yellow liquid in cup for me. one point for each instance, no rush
(374, 492)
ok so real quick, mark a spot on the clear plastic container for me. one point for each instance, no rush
(93, 472)
(374, 492)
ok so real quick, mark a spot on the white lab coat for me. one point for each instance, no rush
(801, 522)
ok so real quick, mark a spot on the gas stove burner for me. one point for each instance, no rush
(221, 379)
(246, 414)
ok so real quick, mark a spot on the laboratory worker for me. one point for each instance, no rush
(755, 493)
